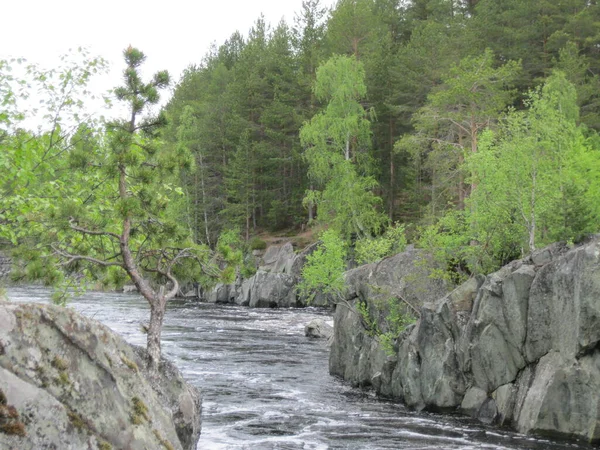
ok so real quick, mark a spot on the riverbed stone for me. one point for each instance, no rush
(318, 328)
(76, 384)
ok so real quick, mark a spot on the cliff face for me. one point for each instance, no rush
(519, 347)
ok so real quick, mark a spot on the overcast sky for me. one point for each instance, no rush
(173, 33)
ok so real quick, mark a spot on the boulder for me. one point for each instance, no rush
(278, 258)
(269, 290)
(69, 382)
(221, 293)
(318, 328)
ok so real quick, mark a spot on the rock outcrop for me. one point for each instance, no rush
(68, 382)
(519, 347)
(272, 286)
(5, 266)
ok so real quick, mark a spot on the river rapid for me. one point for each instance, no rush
(266, 386)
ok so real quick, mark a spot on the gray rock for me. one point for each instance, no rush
(301, 258)
(563, 398)
(488, 411)
(75, 384)
(564, 311)
(272, 290)
(473, 400)
(318, 328)
(243, 297)
(504, 397)
(5, 265)
(443, 381)
(128, 288)
(525, 340)
(278, 259)
(355, 354)
(220, 294)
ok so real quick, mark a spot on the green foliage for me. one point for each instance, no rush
(324, 268)
(336, 145)
(396, 321)
(447, 240)
(385, 319)
(369, 322)
(230, 254)
(393, 241)
(534, 180)
(257, 244)
(532, 188)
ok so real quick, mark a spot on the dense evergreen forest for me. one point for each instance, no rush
(475, 118)
(467, 127)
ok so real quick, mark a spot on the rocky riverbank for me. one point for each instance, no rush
(272, 286)
(67, 381)
(519, 347)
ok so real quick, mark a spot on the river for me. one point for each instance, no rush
(266, 386)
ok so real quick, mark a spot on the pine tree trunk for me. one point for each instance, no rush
(311, 215)
(157, 315)
(204, 200)
(392, 171)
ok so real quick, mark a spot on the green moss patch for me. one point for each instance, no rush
(129, 363)
(140, 411)
(166, 444)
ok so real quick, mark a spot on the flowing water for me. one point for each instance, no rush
(266, 386)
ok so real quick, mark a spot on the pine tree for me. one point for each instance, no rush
(118, 223)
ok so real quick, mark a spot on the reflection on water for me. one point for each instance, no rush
(266, 386)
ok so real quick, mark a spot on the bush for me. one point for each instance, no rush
(391, 242)
(324, 268)
(257, 243)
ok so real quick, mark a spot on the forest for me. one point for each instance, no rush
(466, 127)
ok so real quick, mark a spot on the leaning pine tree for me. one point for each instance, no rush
(120, 222)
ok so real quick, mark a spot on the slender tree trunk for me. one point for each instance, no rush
(532, 224)
(196, 208)
(204, 199)
(474, 129)
(392, 171)
(311, 215)
(157, 315)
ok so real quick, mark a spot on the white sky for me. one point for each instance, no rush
(173, 34)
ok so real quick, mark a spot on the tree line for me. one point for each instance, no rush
(385, 111)
(466, 127)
